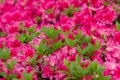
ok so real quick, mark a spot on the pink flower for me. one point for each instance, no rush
(2, 79)
(62, 5)
(70, 36)
(61, 67)
(106, 15)
(15, 43)
(96, 3)
(16, 15)
(47, 72)
(52, 60)
(117, 37)
(116, 73)
(13, 52)
(66, 28)
(29, 53)
(88, 78)
(72, 57)
(13, 29)
(1, 45)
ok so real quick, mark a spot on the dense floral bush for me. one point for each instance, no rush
(59, 40)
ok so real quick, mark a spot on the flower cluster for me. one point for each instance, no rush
(59, 40)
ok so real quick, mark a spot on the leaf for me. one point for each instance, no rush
(70, 78)
(28, 76)
(13, 62)
(66, 63)
(11, 76)
(117, 25)
(101, 77)
(64, 72)
(1, 54)
(106, 3)
(93, 66)
(49, 11)
(76, 9)
(51, 32)
(106, 78)
(22, 38)
(77, 59)
(15, 79)
(73, 68)
(69, 11)
(80, 51)
(42, 48)
(1, 1)
(10, 65)
(31, 29)
(57, 45)
(70, 42)
(97, 45)
(83, 40)
(77, 37)
(4, 54)
(88, 39)
(3, 74)
(33, 60)
(38, 19)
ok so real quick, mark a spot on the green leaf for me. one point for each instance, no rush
(22, 38)
(69, 11)
(117, 25)
(28, 76)
(118, 10)
(33, 60)
(80, 51)
(51, 32)
(97, 45)
(64, 72)
(15, 79)
(83, 40)
(57, 45)
(66, 63)
(4, 54)
(1, 54)
(38, 19)
(78, 36)
(106, 3)
(70, 78)
(73, 68)
(101, 77)
(88, 39)
(10, 65)
(13, 62)
(93, 66)
(3, 74)
(42, 48)
(49, 11)
(76, 9)
(106, 78)
(70, 42)
(1, 1)
(11, 76)
(77, 59)
(31, 29)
